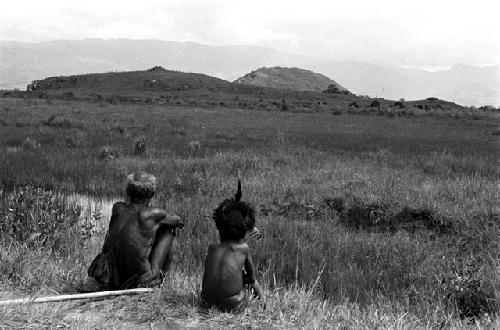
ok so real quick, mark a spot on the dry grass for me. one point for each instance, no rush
(318, 271)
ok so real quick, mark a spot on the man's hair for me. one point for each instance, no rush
(233, 217)
(140, 186)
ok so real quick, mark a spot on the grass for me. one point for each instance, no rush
(356, 266)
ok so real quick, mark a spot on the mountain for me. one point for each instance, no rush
(289, 78)
(20, 63)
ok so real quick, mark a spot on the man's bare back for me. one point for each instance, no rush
(139, 241)
(131, 252)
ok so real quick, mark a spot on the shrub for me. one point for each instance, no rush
(70, 143)
(32, 215)
(68, 95)
(55, 122)
(30, 144)
(107, 153)
(400, 104)
(194, 146)
(284, 105)
(139, 147)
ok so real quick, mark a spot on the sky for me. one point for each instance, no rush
(429, 34)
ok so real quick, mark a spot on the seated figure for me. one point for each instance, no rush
(229, 272)
(140, 240)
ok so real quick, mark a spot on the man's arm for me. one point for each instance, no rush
(161, 217)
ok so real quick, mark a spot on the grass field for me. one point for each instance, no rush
(368, 221)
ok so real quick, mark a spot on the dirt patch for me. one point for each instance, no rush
(375, 217)
(298, 210)
(411, 220)
(372, 217)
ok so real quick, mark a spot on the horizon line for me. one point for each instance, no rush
(423, 67)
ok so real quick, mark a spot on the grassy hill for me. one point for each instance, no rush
(166, 87)
(289, 78)
(154, 79)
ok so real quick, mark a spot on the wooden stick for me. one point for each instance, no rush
(90, 295)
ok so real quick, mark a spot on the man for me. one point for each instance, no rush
(140, 240)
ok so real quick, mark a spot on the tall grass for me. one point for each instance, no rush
(290, 174)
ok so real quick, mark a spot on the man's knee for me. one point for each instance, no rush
(162, 251)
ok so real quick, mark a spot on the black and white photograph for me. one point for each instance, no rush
(235, 164)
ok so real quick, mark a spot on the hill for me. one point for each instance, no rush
(160, 86)
(155, 79)
(20, 63)
(166, 87)
(289, 78)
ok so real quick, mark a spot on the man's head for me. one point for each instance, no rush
(140, 187)
(234, 218)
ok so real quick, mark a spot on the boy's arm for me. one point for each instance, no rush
(255, 234)
(249, 277)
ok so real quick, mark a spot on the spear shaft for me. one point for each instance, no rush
(91, 295)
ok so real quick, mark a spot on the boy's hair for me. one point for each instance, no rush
(233, 217)
(140, 186)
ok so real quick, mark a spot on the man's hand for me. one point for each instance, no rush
(177, 219)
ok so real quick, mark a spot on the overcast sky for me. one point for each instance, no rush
(417, 33)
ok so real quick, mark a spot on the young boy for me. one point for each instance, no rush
(228, 265)
(140, 240)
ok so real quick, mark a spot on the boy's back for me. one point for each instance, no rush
(223, 269)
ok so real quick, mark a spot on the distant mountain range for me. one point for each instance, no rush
(20, 63)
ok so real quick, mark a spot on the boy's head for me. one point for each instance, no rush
(141, 186)
(234, 218)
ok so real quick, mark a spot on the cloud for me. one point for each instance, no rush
(426, 32)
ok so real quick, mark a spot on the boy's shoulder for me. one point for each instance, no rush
(243, 247)
(239, 247)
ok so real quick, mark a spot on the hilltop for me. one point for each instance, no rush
(290, 78)
(20, 63)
